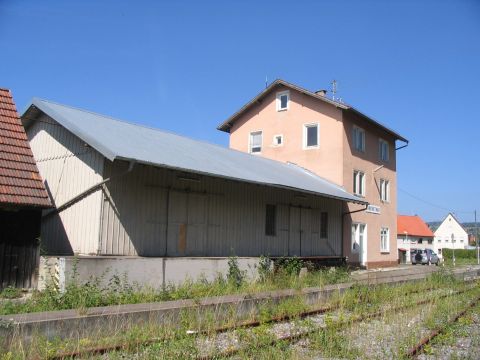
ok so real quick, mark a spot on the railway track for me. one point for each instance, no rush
(255, 323)
(418, 348)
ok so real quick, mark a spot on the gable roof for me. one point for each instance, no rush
(454, 218)
(116, 139)
(227, 124)
(20, 181)
(413, 226)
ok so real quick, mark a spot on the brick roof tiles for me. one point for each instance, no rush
(20, 181)
(413, 225)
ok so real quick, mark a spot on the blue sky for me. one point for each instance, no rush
(185, 66)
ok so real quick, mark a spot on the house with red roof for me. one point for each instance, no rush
(23, 196)
(412, 233)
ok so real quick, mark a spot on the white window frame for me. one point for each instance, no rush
(383, 156)
(355, 236)
(359, 184)
(385, 190)
(275, 138)
(279, 100)
(358, 131)
(384, 239)
(250, 137)
(305, 138)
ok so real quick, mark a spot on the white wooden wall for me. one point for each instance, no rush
(151, 212)
(68, 167)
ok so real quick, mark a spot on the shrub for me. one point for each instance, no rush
(235, 276)
(460, 253)
(264, 268)
(10, 292)
(290, 265)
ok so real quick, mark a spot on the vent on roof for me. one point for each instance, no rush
(321, 92)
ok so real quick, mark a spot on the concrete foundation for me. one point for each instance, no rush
(155, 272)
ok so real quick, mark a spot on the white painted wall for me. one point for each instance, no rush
(68, 167)
(443, 235)
(411, 242)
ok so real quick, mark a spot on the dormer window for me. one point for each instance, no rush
(283, 100)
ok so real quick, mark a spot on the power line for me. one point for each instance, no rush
(434, 205)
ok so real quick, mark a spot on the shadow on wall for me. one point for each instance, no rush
(53, 237)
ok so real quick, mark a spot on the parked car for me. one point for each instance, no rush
(424, 257)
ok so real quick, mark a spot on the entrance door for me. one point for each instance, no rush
(359, 241)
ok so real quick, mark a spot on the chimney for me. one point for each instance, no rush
(321, 92)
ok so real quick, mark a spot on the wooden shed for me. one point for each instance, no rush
(22, 198)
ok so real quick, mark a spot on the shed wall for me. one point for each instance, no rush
(69, 167)
(158, 212)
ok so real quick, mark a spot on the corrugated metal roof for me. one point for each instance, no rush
(116, 139)
(20, 182)
(226, 125)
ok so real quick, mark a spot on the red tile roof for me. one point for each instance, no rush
(20, 181)
(413, 225)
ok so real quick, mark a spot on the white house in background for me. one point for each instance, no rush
(450, 234)
(412, 233)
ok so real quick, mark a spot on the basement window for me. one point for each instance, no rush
(270, 220)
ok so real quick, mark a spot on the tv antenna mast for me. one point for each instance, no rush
(334, 88)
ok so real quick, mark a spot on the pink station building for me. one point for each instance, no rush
(337, 142)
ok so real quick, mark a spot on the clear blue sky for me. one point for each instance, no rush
(185, 66)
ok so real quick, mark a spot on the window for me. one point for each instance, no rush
(310, 136)
(359, 183)
(283, 100)
(270, 220)
(358, 236)
(359, 139)
(383, 150)
(384, 240)
(255, 142)
(420, 241)
(323, 225)
(278, 140)
(384, 190)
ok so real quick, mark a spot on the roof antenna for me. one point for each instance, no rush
(266, 81)
(334, 89)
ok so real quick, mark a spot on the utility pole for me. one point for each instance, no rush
(477, 240)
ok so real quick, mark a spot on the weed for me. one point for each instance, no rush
(10, 292)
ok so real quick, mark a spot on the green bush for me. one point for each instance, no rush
(289, 265)
(460, 254)
(10, 293)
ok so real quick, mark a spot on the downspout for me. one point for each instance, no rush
(86, 192)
